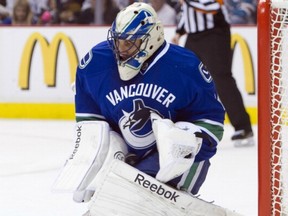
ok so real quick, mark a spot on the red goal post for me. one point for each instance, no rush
(272, 107)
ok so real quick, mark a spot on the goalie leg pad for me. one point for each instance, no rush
(95, 146)
(125, 191)
(117, 150)
(87, 157)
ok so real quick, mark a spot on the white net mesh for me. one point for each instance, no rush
(279, 106)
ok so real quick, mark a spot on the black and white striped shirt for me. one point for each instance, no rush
(202, 15)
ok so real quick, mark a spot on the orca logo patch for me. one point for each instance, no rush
(205, 73)
(136, 125)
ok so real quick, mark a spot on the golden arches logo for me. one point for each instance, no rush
(50, 55)
(247, 61)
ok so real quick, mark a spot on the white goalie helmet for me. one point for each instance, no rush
(137, 21)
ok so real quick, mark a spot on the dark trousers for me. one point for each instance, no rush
(213, 48)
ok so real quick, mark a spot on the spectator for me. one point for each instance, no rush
(36, 6)
(165, 12)
(22, 14)
(98, 12)
(110, 12)
(209, 36)
(70, 12)
(123, 3)
(5, 18)
(242, 11)
(176, 4)
(87, 12)
(3, 3)
(51, 14)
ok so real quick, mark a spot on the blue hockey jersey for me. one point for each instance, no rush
(173, 83)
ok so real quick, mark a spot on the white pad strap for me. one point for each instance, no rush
(91, 148)
(123, 190)
(177, 145)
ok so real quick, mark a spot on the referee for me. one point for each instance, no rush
(206, 24)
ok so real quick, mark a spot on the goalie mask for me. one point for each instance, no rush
(134, 36)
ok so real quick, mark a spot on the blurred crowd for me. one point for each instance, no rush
(242, 11)
(103, 12)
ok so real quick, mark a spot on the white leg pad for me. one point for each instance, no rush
(125, 191)
(91, 148)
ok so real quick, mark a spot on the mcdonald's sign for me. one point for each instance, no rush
(249, 73)
(50, 53)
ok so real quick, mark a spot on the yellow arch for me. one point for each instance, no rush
(50, 56)
(247, 61)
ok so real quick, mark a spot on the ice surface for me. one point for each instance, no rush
(33, 151)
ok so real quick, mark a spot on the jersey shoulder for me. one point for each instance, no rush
(98, 60)
(188, 65)
(182, 57)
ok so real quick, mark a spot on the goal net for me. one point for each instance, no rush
(273, 107)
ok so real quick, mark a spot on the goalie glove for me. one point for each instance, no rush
(177, 145)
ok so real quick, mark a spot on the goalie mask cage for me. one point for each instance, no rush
(273, 107)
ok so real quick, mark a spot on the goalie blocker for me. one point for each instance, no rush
(125, 191)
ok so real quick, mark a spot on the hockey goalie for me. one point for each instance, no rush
(148, 122)
(97, 171)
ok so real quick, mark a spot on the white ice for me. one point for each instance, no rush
(33, 151)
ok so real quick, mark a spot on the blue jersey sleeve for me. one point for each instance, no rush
(199, 103)
(85, 106)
